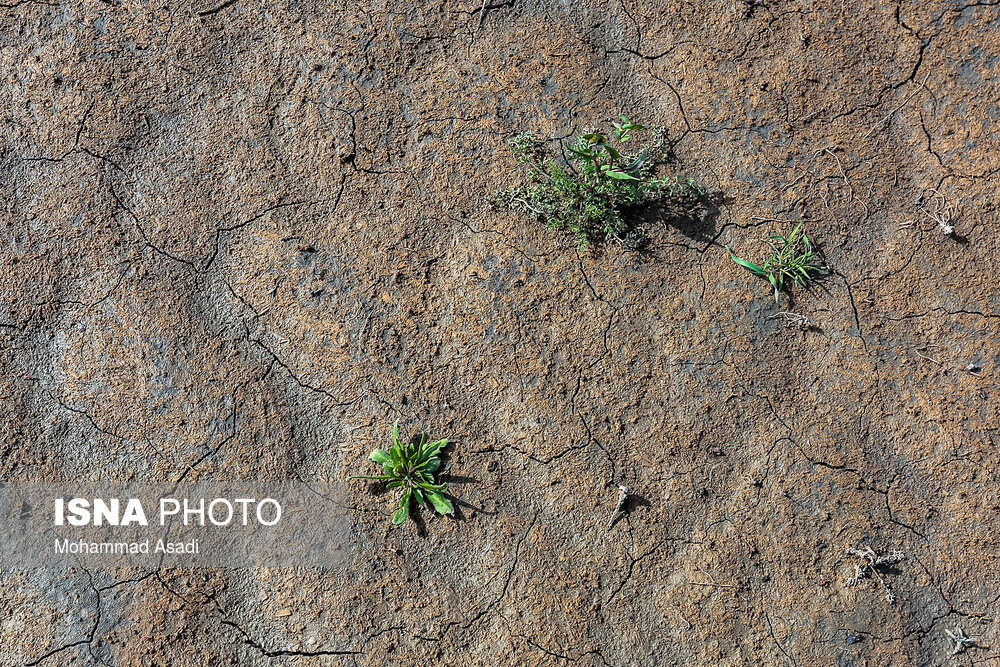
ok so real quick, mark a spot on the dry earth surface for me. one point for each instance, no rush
(240, 240)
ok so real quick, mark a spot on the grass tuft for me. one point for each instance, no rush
(792, 260)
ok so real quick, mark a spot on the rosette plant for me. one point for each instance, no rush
(411, 466)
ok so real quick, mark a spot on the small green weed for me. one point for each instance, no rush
(410, 466)
(792, 258)
(597, 191)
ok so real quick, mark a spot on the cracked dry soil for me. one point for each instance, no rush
(241, 239)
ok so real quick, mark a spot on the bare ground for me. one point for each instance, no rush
(242, 239)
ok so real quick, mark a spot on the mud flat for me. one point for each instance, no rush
(241, 240)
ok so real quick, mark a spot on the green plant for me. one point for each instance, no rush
(599, 188)
(792, 258)
(410, 466)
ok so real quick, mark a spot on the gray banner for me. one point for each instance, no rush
(202, 524)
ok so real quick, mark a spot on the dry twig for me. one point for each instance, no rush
(622, 499)
(943, 213)
(870, 564)
(794, 319)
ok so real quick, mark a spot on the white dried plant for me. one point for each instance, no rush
(869, 563)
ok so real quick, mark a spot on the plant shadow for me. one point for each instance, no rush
(694, 218)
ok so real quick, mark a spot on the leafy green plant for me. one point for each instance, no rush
(410, 466)
(792, 258)
(597, 191)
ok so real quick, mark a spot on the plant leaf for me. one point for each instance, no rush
(748, 265)
(612, 152)
(432, 450)
(404, 508)
(432, 488)
(441, 504)
(619, 175)
(380, 457)
(637, 163)
(396, 456)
